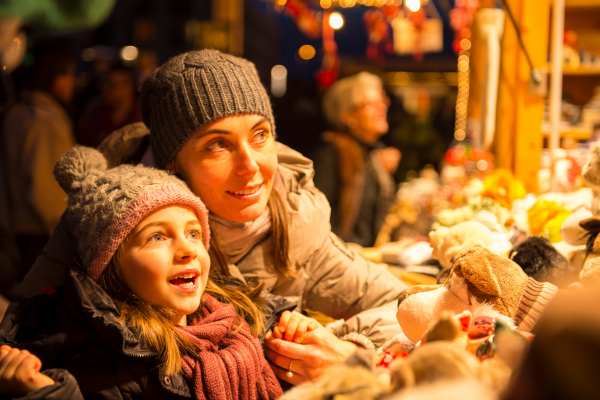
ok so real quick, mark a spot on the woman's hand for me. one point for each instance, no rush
(20, 372)
(319, 350)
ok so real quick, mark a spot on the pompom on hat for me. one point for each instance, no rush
(196, 88)
(106, 204)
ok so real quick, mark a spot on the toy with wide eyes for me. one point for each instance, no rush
(478, 279)
(481, 326)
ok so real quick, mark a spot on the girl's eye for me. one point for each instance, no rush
(194, 235)
(218, 144)
(157, 237)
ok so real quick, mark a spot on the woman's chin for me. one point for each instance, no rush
(248, 213)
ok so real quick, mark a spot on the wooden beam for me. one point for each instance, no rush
(519, 119)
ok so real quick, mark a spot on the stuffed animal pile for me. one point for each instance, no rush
(505, 262)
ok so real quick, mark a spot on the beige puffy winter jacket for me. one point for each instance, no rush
(331, 278)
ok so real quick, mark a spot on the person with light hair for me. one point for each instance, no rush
(353, 168)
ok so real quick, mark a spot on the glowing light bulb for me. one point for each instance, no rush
(307, 52)
(129, 53)
(413, 5)
(336, 21)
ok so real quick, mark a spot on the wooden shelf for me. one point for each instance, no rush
(578, 132)
(582, 3)
(581, 72)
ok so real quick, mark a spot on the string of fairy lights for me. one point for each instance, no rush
(462, 98)
(376, 3)
(336, 21)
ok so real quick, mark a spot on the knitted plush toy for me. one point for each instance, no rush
(448, 242)
(541, 261)
(478, 278)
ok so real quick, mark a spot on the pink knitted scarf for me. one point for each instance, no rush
(231, 364)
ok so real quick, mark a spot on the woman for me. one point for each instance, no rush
(210, 122)
(353, 169)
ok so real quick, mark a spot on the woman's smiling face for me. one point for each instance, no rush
(230, 164)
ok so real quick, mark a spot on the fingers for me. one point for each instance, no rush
(281, 373)
(28, 372)
(290, 332)
(279, 360)
(301, 330)
(281, 326)
(289, 323)
(9, 371)
(7, 359)
(307, 354)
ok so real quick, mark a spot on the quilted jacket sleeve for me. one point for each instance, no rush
(342, 284)
(64, 388)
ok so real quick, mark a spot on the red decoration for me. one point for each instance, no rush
(48, 290)
(305, 18)
(461, 17)
(387, 359)
(378, 34)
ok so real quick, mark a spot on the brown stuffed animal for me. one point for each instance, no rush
(441, 360)
(478, 278)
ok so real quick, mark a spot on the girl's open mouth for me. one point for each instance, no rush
(185, 281)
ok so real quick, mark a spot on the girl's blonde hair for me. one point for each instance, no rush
(154, 324)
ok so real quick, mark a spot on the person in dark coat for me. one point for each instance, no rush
(141, 318)
(352, 167)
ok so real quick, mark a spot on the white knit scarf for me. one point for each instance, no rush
(236, 239)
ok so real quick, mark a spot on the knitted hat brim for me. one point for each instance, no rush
(146, 203)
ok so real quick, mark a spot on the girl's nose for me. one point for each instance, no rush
(186, 251)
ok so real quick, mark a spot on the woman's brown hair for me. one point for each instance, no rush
(279, 232)
(154, 324)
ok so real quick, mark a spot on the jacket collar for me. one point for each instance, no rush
(84, 298)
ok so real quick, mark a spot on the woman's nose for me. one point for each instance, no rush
(246, 161)
(185, 251)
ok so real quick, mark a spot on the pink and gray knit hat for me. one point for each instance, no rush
(106, 204)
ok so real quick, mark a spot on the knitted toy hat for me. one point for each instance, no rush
(194, 89)
(106, 204)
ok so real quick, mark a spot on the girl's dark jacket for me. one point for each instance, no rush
(87, 351)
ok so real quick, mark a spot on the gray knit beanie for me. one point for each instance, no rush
(106, 204)
(194, 89)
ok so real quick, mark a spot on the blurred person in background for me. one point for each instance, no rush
(35, 132)
(115, 108)
(353, 168)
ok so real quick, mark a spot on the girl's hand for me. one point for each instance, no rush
(292, 326)
(20, 372)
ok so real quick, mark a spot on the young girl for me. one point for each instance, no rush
(144, 317)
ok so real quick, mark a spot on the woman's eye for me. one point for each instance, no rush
(216, 145)
(260, 136)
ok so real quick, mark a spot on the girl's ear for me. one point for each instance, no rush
(170, 167)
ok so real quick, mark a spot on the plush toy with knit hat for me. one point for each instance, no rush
(478, 278)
